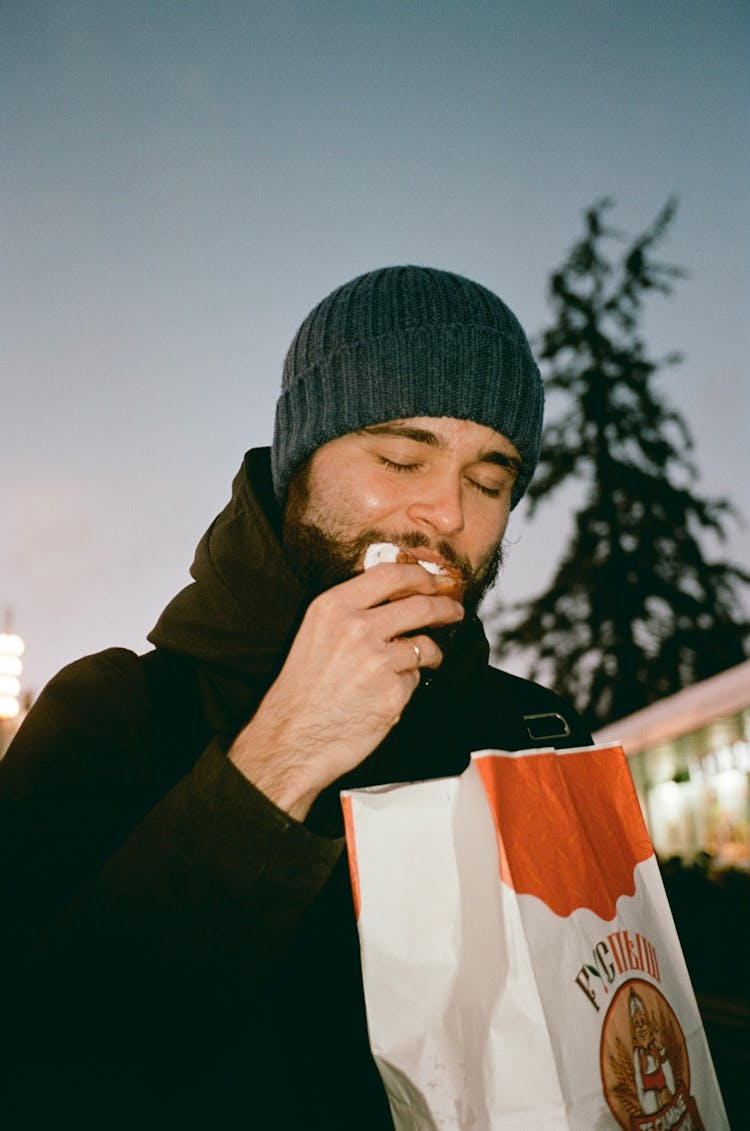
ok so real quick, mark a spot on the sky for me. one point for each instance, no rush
(181, 182)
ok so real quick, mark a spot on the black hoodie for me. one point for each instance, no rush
(179, 952)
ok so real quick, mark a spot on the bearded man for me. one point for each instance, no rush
(179, 936)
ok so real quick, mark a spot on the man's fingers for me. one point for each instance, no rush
(397, 600)
(390, 582)
(407, 615)
(415, 652)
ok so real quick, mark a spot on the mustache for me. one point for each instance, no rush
(322, 558)
(417, 540)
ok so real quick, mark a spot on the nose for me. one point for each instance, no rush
(438, 506)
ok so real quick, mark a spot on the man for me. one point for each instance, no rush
(652, 1069)
(181, 944)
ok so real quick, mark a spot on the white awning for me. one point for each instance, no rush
(687, 710)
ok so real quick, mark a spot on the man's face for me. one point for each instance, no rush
(436, 484)
(641, 1029)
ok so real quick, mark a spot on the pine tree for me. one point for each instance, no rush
(634, 611)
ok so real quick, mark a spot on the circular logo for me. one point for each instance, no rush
(643, 1058)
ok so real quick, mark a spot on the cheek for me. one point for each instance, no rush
(375, 501)
(366, 500)
(355, 502)
(482, 543)
(487, 523)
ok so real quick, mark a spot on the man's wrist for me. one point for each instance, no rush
(269, 765)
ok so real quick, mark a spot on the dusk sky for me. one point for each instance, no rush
(180, 182)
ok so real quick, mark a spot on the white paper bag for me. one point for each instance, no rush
(520, 962)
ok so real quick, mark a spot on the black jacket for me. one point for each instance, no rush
(177, 951)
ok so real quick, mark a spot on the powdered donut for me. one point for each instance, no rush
(450, 582)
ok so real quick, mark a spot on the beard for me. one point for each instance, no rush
(323, 554)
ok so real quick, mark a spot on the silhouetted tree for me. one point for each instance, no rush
(634, 611)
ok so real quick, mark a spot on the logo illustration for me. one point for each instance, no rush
(644, 1062)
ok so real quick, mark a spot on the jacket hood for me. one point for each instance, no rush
(244, 600)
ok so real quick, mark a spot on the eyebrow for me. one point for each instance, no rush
(407, 431)
(424, 436)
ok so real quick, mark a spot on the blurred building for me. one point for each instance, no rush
(689, 756)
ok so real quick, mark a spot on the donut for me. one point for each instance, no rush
(449, 580)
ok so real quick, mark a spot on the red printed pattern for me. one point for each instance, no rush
(569, 827)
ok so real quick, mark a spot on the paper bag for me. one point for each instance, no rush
(520, 961)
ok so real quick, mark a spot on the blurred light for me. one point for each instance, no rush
(724, 760)
(731, 789)
(10, 685)
(670, 799)
(11, 650)
(741, 752)
(10, 644)
(9, 707)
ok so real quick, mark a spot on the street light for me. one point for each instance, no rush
(11, 650)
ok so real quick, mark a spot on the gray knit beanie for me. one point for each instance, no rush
(400, 342)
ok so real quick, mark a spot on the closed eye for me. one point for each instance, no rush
(390, 463)
(393, 465)
(491, 492)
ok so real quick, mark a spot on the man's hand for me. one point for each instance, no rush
(348, 676)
